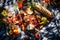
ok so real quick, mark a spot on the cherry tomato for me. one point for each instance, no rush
(46, 1)
(19, 4)
(36, 35)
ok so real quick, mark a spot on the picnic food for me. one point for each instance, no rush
(27, 19)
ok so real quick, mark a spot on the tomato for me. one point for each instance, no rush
(36, 35)
(20, 5)
(46, 1)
